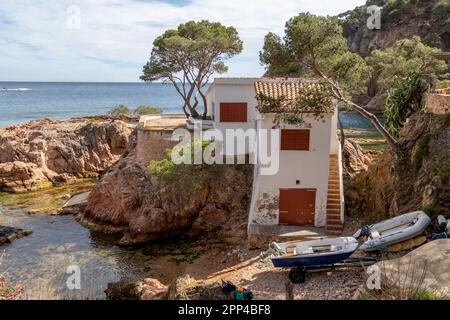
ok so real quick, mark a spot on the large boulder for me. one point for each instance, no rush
(122, 290)
(18, 176)
(42, 152)
(144, 207)
(152, 289)
(416, 178)
(355, 159)
(148, 289)
(426, 268)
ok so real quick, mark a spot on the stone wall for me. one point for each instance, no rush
(439, 103)
(151, 144)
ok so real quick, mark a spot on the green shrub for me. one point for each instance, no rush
(119, 110)
(393, 293)
(441, 8)
(394, 8)
(403, 100)
(188, 176)
(443, 84)
(146, 110)
(164, 169)
(423, 294)
(186, 254)
(446, 118)
(429, 209)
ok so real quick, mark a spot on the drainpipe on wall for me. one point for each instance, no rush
(256, 174)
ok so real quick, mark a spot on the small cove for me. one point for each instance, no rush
(39, 262)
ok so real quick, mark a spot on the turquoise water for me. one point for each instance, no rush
(24, 101)
(39, 262)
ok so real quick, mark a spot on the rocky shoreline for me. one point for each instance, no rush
(46, 152)
(9, 234)
(419, 180)
(144, 208)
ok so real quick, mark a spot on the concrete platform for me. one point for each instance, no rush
(169, 122)
(259, 236)
(78, 199)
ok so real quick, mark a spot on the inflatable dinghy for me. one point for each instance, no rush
(384, 234)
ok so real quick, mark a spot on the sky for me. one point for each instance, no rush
(110, 40)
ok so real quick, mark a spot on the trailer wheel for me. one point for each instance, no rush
(297, 276)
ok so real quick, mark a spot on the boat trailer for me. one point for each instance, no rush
(297, 274)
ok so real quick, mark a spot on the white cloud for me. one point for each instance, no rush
(116, 35)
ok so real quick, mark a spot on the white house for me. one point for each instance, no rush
(307, 189)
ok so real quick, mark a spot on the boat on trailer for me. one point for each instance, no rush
(315, 253)
(396, 230)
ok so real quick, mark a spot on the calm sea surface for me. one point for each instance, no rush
(24, 101)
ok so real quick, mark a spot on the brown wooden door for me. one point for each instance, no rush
(297, 206)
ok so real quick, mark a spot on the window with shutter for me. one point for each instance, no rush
(233, 112)
(295, 139)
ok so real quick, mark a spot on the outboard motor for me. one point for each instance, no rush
(365, 232)
(441, 229)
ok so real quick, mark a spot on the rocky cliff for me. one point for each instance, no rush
(417, 180)
(143, 207)
(43, 152)
(401, 19)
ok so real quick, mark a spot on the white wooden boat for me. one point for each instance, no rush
(323, 252)
(386, 233)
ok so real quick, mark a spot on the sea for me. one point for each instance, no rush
(24, 101)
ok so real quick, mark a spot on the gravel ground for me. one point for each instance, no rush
(254, 270)
(250, 270)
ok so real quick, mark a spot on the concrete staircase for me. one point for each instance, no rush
(334, 225)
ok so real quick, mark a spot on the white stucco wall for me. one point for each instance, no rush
(334, 145)
(309, 167)
(233, 91)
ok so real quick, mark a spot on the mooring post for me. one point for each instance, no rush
(289, 290)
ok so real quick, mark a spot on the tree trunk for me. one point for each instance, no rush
(205, 105)
(289, 286)
(185, 111)
(338, 93)
(372, 88)
(374, 120)
(377, 124)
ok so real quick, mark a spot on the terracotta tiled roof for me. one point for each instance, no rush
(289, 88)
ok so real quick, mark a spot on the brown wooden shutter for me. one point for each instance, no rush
(233, 112)
(295, 139)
